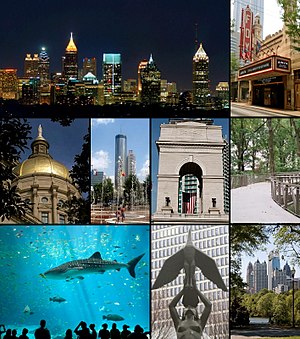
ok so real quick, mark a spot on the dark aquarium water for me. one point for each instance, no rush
(66, 296)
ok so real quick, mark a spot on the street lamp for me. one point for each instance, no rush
(293, 310)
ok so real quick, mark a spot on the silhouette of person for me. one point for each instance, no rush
(104, 333)
(123, 213)
(125, 333)
(24, 334)
(190, 326)
(69, 334)
(7, 335)
(14, 334)
(93, 331)
(42, 332)
(138, 333)
(2, 330)
(114, 332)
(84, 333)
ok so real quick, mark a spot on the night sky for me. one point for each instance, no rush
(130, 27)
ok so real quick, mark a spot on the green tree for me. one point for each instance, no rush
(104, 191)
(14, 136)
(147, 189)
(291, 18)
(281, 312)
(265, 305)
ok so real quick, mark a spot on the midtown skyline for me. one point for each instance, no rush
(134, 31)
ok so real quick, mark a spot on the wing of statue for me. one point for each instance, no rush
(169, 270)
(209, 268)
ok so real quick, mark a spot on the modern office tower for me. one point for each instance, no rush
(120, 160)
(112, 76)
(8, 83)
(31, 66)
(256, 6)
(70, 61)
(168, 92)
(200, 78)
(260, 276)
(250, 278)
(44, 67)
(141, 66)
(131, 163)
(89, 65)
(273, 264)
(150, 78)
(213, 241)
(97, 177)
(31, 92)
(226, 173)
(130, 85)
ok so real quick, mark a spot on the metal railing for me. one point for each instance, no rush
(239, 180)
(285, 191)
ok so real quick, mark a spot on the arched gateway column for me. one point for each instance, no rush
(196, 148)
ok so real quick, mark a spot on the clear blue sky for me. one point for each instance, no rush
(155, 131)
(103, 134)
(65, 142)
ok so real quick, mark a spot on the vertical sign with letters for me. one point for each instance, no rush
(246, 34)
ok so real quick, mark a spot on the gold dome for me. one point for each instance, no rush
(40, 161)
(42, 165)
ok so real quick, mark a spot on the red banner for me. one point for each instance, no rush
(246, 34)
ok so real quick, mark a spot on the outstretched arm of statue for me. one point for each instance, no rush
(207, 309)
(172, 308)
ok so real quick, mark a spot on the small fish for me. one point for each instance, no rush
(57, 299)
(113, 317)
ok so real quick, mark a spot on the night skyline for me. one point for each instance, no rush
(135, 31)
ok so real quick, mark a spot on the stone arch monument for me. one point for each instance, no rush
(190, 181)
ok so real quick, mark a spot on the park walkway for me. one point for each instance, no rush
(253, 204)
(255, 331)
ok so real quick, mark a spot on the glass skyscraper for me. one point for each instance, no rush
(70, 61)
(112, 76)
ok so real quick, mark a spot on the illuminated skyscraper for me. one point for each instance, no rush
(120, 160)
(200, 77)
(141, 66)
(89, 65)
(8, 83)
(70, 61)
(112, 76)
(31, 66)
(213, 241)
(43, 67)
(150, 78)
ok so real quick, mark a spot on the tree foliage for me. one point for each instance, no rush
(14, 136)
(291, 19)
(104, 192)
(265, 145)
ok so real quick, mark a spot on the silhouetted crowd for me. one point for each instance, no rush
(82, 331)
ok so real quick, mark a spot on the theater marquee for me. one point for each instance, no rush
(270, 66)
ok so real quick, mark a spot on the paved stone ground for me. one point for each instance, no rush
(253, 204)
(263, 331)
(107, 216)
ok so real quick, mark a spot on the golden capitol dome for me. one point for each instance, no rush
(40, 161)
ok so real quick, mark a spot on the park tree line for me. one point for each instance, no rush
(265, 145)
(246, 239)
(134, 192)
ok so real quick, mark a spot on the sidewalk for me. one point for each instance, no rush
(266, 109)
(263, 331)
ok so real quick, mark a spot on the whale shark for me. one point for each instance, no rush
(94, 264)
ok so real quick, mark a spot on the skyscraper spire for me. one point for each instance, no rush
(196, 37)
(71, 46)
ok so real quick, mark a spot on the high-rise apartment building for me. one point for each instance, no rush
(112, 76)
(200, 77)
(120, 160)
(213, 241)
(250, 278)
(150, 79)
(260, 276)
(89, 65)
(70, 61)
(131, 163)
(31, 66)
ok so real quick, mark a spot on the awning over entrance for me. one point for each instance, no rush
(269, 67)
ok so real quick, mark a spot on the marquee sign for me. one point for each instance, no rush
(270, 66)
(246, 34)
